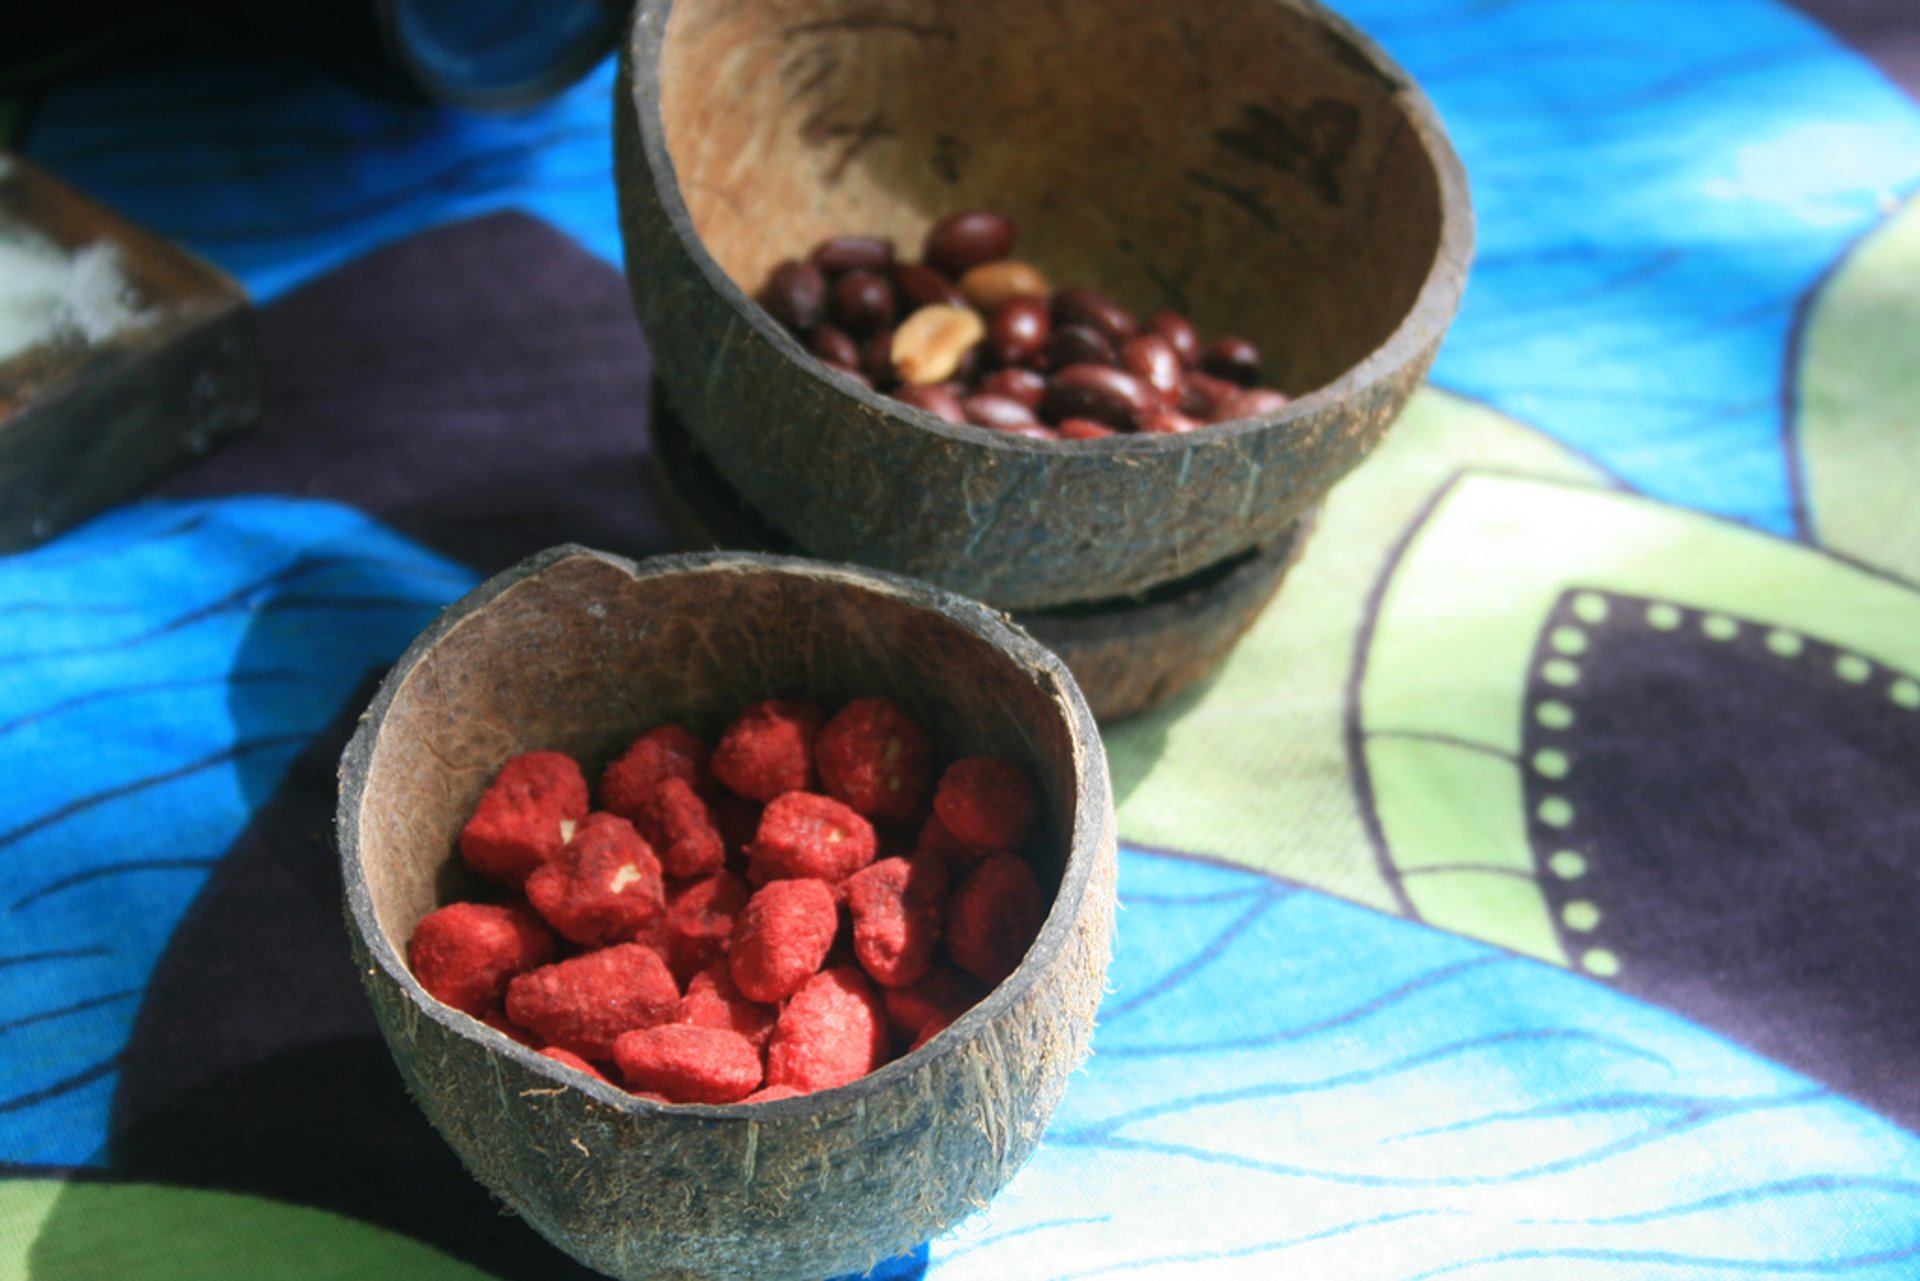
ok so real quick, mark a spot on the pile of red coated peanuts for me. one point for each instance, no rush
(974, 335)
(780, 914)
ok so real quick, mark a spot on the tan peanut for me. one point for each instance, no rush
(930, 344)
(993, 283)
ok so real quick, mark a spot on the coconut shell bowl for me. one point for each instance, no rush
(577, 651)
(1258, 166)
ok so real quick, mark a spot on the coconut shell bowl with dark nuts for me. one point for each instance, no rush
(577, 651)
(1256, 165)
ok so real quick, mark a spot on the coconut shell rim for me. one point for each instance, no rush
(1431, 314)
(1070, 900)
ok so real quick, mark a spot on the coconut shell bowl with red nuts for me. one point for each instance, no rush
(662, 1099)
(1254, 169)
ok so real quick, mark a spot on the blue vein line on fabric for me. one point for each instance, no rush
(1353, 1014)
(1686, 1106)
(1249, 1251)
(1667, 1258)
(1397, 1067)
(233, 603)
(1026, 1230)
(1564, 1165)
(262, 676)
(1779, 1189)
(52, 955)
(1206, 899)
(1218, 944)
(48, 557)
(81, 804)
(128, 867)
(79, 1080)
(78, 1007)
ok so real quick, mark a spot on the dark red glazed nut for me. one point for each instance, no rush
(937, 399)
(983, 801)
(1024, 385)
(1111, 396)
(689, 1063)
(584, 1003)
(839, 254)
(1202, 394)
(574, 1061)
(862, 302)
(679, 826)
(1251, 403)
(713, 1000)
(602, 887)
(876, 359)
(897, 906)
(1077, 345)
(1017, 331)
(835, 346)
(875, 759)
(944, 994)
(781, 938)
(833, 1031)
(1078, 305)
(465, 953)
(1168, 422)
(796, 295)
(807, 835)
(960, 242)
(919, 286)
(663, 752)
(768, 749)
(1179, 334)
(1234, 359)
(997, 412)
(518, 824)
(1083, 429)
(1151, 359)
(700, 918)
(994, 917)
(958, 856)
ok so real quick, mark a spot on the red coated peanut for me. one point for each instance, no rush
(994, 917)
(524, 817)
(464, 954)
(833, 1031)
(781, 938)
(689, 1063)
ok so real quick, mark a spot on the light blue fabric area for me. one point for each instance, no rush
(277, 173)
(160, 668)
(1657, 185)
(1285, 1084)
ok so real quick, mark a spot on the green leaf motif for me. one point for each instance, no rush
(1857, 412)
(74, 1231)
(1281, 798)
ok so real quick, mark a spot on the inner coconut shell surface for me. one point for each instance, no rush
(1256, 164)
(577, 651)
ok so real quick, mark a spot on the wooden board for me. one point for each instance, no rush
(88, 421)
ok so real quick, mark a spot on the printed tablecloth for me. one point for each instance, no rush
(1531, 894)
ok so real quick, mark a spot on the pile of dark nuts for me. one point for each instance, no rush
(974, 335)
